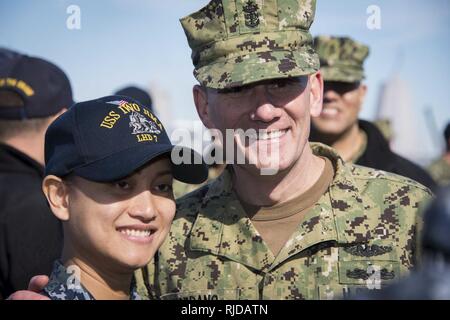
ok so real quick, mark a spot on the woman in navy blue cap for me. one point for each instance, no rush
(109, 171)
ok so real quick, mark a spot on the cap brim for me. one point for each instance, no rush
(346, 74)
(257, 67)
(124, 163)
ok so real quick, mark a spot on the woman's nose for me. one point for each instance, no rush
(142, 206)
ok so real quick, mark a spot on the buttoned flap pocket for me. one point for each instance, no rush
(373, 274)
(370, 264)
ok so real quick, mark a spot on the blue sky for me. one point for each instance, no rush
(141, 42)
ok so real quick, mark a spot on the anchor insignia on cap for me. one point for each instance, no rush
(251, 14)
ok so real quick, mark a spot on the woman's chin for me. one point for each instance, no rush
(135, 261)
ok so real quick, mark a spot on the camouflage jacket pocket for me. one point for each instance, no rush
(370, 273)
(357, 278)
(360, 268)
(370, 265)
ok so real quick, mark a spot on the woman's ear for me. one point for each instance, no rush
(316, 94)
(57, 194)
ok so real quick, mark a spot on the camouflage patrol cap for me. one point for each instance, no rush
(238, 42)
(341, 58)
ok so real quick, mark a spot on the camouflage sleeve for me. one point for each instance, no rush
(424, 201)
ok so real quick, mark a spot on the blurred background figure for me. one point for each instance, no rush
(137, 94)
(440, 168)
(357, 141)
(431, 280)
(33, 92)
(385, 128)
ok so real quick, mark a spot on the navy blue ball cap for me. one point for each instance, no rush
(8, 59)
(43, 87)
(109, 138)
(137, 94)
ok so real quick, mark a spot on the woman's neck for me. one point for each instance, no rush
(101, 283)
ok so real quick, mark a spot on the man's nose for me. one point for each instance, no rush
(329, 94)
(265, 110)
(142, 206)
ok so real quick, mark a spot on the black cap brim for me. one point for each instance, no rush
(122, 164)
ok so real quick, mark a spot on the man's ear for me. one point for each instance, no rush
(362, 92)
(201, 104)
(57, 194)
(316, 94)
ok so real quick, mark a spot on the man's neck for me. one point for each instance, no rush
(31, 144)
(259, 190)
(348, 143)
(101, 283)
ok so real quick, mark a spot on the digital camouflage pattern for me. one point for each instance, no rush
(238, 42)
(64, 285)
(440, 171)
(360, 235)
(341, 58)
(180, 188)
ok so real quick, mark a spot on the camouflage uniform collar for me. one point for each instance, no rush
(64, 285)
(346, 203)
(223, 228)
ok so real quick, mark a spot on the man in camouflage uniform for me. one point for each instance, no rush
(357, 141)
(257, 69)
(440, 168)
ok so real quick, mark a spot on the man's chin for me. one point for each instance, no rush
(265, 167)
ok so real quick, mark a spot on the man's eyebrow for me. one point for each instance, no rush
(233, 89)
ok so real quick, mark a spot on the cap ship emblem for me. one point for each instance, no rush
(140, 124)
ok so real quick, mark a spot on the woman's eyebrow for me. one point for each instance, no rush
(139, 172)
(163, 173)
